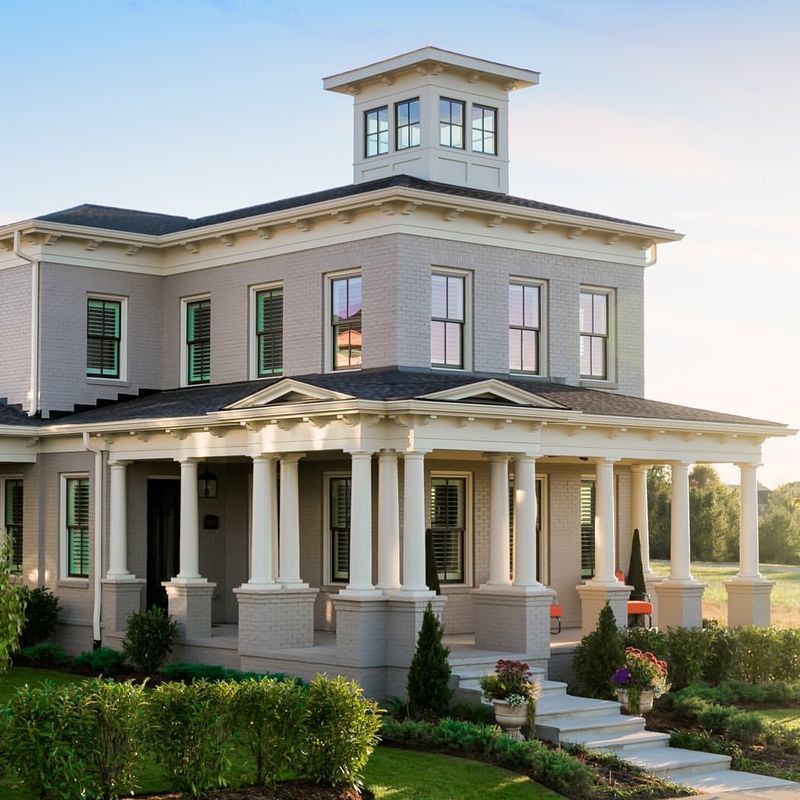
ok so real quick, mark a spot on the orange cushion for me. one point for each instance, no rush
(555, 611)
(619, 576)
(639, 607)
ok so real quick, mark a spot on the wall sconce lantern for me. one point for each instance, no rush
(206, 483)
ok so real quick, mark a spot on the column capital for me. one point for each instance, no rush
(415, 453)
(681, 463)
(360, 453)
(387, 453)
(499, 456)
(265, 457)
(187, 459)
(290, 458)
(606, 460)
(745, 465)
(118, 463)
(641, 467)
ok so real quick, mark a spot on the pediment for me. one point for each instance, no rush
(287, 391)
(490, 392)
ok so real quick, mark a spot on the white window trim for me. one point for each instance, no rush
(3, 479)
(542, 355)
(469, 514)
(183, 346)
(63, 567)
(253, 339)
(327, 581)
(327, 308)
(468, 316)
(611, 354)
(123, 339)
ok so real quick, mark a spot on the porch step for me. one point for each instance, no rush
(638, 740)
(717, 781)
(567, 708)
(577, 730)
(677, 764)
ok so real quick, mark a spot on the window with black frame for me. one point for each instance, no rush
(103, 337)
(346, 321)
(484, 130)
(339, 514)
(77, 527)
(448, 527)
(594, 334)
(376, 132)
(269, 332)
(447, 320)
(12, 519)
(198, 341)
(406, 124)
(524, 324)
(451, 123)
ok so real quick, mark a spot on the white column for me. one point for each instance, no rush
(118, 523)
(748, 522)
(639, 513)
(604, 516)
(360, 523)
(680, 553)
(262, 531)
(414, 522)
(290, 522)
(525, 521)
(499, 561)
(388, 522)
(190, 533)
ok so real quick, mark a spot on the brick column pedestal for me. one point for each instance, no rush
(514, 619)
(121, 598)
(189, 603)
(680, 604)
(748, 602)
(594, 596)
(361, 628)
(272, 619)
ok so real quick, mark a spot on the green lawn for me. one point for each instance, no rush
(790, 717)
(391, 774)
(785, 594)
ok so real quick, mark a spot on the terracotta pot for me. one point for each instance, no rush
(510, 718)
(646, 697)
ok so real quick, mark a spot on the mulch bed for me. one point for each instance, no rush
(290, 790)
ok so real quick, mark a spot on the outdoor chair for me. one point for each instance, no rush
(638, 608)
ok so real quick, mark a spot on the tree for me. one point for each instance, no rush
(779, 528)
(636, 570)
(12, 606)
(598, 655)
(659, 499)
(429, 674)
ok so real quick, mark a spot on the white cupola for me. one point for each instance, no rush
(433, 114)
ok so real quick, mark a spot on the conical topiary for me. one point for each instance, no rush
(598, 656)
(636, 570)
(429, 674)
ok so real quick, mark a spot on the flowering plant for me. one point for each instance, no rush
(642, 671)
(511, 681)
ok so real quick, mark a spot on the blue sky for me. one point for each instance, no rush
(683, 114)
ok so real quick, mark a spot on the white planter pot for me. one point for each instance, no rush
(510, 718)
(646, 697)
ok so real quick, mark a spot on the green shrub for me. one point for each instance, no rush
(598, 655)
(703, 740)
(648, 640)
(686, 655)
(188, 734)
(758, 652)
(428, 687)
(45, 655)
(746, 727)
(114, 717)
(211, 672)
(342, 727)
(41, 615)
(472, 712)
(149, 639)
(103, 661)
(721, 654)
(12, 606)
(270, 718)
(45, 737)
(787, 659)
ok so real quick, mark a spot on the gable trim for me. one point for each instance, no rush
(284, 388)
(502, 391)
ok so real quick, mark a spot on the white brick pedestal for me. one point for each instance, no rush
(190, 606)
(121, 598)
(594, 596)
(514, 619)
(360, 630)
(748, 602)
(680, 604)
(273, 619)
(404, 614)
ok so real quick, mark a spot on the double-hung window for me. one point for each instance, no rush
(12, 518)
(451, 123)
(484, 130)
(198, 341)
(587, 528)
(447, 320)
(269, 332)
(524, 327)
(448, 527)
(406, 124)
(346, 321)
(339, 515)
(594, 328)
(76, 526)
(103, 338)
(376, 132)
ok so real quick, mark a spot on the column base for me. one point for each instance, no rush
(680, 603)
(274, 619)
(748, 602)
(361, 629)
(513, 618)
(121, 598)
(189, 603)
(594, 596)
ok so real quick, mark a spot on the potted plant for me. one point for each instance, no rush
(513, 693)
(641, 679)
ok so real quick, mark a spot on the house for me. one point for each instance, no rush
(255, 418)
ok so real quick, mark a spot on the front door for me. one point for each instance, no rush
(163, 528)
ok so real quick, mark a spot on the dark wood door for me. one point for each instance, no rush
(163, 528)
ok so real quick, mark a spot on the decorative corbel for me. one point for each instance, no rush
(227, 239)
(92, 244)
(345, 217)
(452, 213)
(575, 233)
(190, 247)
(474, 77)
(178, 433)
(351, 420)
(613, 238)
(409, 207)
(263, 232)
(142, 436)
(50, 238)
(464, 421)
(132, 249)
(286, 424)
(387, 79)
(645, 244)
(536, 227)
(499, 424)
(302, 224)
(32, 441)
(352, 89)
(496, 220)
(217, 433)
(510, 86)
